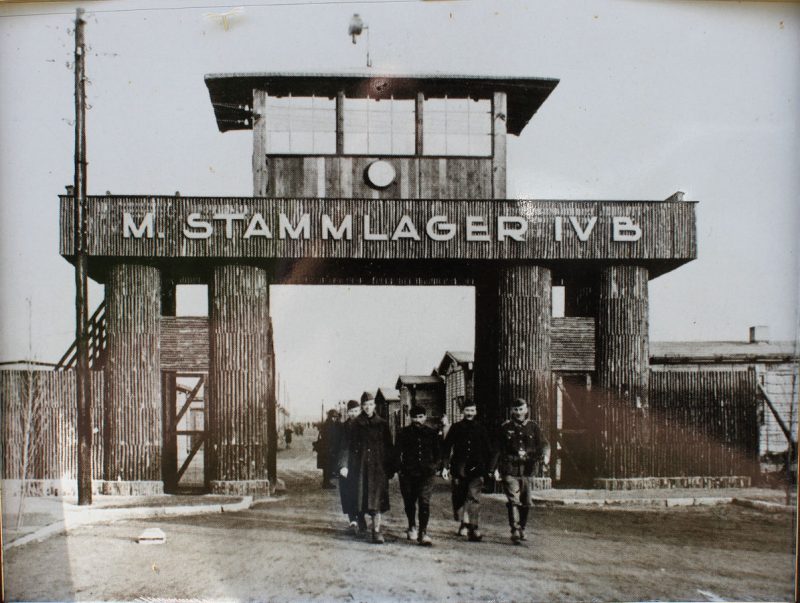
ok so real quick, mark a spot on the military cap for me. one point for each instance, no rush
(417, 410)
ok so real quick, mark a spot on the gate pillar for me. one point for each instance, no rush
(523, 339)
(623, 369)
(238, 389)
(132, 384)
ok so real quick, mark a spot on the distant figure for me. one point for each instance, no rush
(469, 443)
(368, 454)
(287, 436)
(327, 447)
(348, 486)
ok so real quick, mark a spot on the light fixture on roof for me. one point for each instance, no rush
(355, 29)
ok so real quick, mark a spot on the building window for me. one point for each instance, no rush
(301, 125)
(378, 127)
(457, 126)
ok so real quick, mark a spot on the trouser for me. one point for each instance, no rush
(519, 497)
(362, 520)
(466, 504)
(416, 490)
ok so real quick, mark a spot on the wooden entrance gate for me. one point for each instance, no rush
(185, 464)
(574, 454)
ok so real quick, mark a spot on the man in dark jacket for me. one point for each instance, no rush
(327, 447)
(418, 454)
(468, 448)
(368, 454)
(348, 488)
(520, 453)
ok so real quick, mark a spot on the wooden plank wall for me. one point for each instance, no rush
(133, 403)
(658, 221)
(623, 357)
(239, 373)
(184, 344)
(704, 422)
(699, 423)
(344, 176)
(54, 438)
(573, 344)
(523, 338)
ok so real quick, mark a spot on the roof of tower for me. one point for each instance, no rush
(232, 93)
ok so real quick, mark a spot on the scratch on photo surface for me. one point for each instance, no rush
(225, 18)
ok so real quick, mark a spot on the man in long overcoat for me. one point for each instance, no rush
(348, 486)
(367, 459)
(327, 447)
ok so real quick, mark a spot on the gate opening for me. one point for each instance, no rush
(334, 343)
(185, 433)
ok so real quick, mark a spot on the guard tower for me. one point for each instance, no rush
(371, 179)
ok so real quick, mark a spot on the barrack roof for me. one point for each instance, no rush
(420, 380)
(390, 394)
(232, 93)
(463, 358)
(681, 352)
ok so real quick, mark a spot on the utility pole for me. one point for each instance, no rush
(83, 385)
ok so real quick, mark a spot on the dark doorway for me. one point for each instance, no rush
(573, 458)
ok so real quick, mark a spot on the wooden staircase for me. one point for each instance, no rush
(97, 343)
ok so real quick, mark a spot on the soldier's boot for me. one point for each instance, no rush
(463, 529)
(362, 523)
(424, 516)
(474, 533)
(514, 522)
(377, 537)
(523, 521)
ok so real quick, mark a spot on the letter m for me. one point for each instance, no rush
(131, 229)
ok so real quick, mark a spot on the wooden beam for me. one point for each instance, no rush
(340, 122)
(499, 133)
(260, 140)
(419, 103)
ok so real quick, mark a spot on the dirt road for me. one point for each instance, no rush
(297, 548)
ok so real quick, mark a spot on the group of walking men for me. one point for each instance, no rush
(360, 451)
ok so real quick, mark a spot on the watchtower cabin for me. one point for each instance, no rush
(374, 180)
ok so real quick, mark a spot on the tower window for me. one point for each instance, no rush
(378, 127)
(301, 125)
(457, 126)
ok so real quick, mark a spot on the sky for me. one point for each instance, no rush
(654, 97)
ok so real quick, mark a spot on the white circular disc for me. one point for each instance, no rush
(380, 174)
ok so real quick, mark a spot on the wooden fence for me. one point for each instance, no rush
(697, 423)
(50, 397)
(704, 422)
